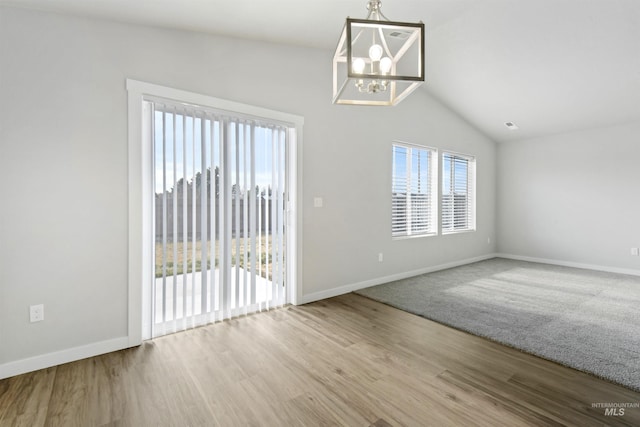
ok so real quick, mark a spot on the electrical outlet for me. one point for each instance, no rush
(36, 313)
(634, 251)
(318, 202)
(380, 257)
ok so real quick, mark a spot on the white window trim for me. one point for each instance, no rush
(141, 190)
(433, 164)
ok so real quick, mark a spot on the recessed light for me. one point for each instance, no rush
(511, 126)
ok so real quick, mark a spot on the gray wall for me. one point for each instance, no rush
(63, 167)
(572, 197)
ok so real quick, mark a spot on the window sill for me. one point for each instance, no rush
(470, 230)
(415, 236)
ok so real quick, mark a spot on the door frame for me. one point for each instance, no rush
(140, 186)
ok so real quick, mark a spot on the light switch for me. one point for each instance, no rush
(318, 202)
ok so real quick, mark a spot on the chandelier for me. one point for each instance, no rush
(377, 61)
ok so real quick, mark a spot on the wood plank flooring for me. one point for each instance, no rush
(344, 361)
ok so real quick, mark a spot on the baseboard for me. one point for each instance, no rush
(628, 271)
(333, 292)
(48, 360)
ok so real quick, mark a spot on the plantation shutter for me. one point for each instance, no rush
(412, 192)
(458, 193)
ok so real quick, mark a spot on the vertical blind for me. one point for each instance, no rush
(412, 193)
(458, 193)
(220, 203)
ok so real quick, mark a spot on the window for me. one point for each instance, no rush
(458, 193)
(413, 191)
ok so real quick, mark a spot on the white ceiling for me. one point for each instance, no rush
(549, 66)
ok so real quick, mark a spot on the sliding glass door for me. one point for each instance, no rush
(219, 221)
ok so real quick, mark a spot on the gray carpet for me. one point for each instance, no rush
(588, 320)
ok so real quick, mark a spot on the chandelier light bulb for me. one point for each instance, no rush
(358, 65)
(385, 65)
(375, 52)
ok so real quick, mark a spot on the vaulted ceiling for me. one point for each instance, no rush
(549, 66)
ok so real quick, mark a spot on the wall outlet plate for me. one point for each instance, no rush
(634, 251)
(36, 313)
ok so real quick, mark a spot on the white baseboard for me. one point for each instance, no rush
(48, 360)
(628, 271)
(329, 293)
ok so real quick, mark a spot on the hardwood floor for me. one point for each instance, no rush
(343, 361)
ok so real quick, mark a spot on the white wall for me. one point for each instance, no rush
(63, 169)
(572, 198)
